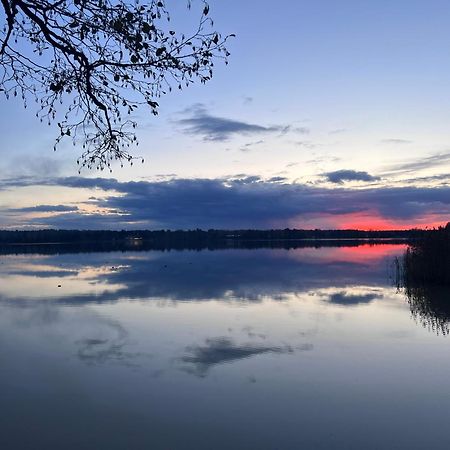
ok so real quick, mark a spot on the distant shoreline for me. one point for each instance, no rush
(90, 241)
(197, 237)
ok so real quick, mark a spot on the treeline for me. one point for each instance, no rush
(143, 246)
(203, 237)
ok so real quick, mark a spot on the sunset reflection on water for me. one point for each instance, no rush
(175, 349)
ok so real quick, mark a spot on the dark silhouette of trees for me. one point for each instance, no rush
(287, 238)
(102, 59)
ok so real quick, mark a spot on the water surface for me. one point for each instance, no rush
(310, 348)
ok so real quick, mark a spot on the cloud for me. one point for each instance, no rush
(444, 178)
(339, 176)
(306, 144)
(241, 201)
(247, 147)
(20, 166)
(277, 179)
(421, 164)
(344, 298)
(201, 358)
(396, 141)
(213, 128)
(323, 159)
(45, 208)
(337, 131)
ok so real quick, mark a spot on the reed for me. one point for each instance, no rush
(423, 274)
(427, 259)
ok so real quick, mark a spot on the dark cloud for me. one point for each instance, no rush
(277, 180)
(213, 128)
(201, 358)
(339, 176)
(235, 202)
(232, 203)
(444, 178)
(45, 208)
(346, 299)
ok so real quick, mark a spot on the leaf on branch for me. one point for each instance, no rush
(160, 51)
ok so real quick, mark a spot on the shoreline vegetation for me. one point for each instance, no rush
(427, 259)
(87, 241)
(197, 236)
(423, 273)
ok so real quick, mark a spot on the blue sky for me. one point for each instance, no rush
(323, 103)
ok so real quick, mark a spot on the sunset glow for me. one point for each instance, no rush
(366, 148)
(378, 223)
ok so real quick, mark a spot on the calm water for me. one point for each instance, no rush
(228, 349)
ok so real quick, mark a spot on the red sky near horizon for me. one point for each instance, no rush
(379, 223)
(369, 221)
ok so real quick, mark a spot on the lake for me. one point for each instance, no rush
(307, 348)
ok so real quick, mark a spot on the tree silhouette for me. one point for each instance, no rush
(102, 59)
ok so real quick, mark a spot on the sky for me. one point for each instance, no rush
(329, 115)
